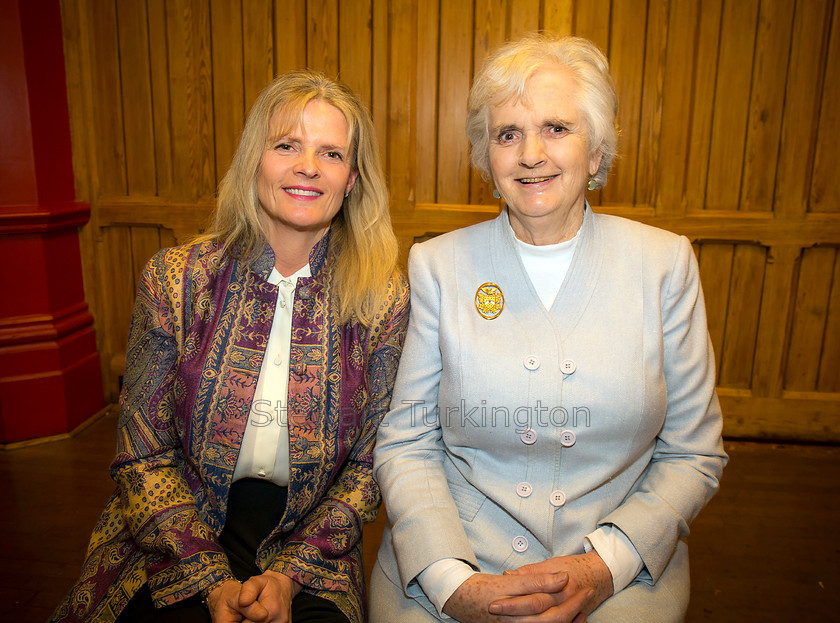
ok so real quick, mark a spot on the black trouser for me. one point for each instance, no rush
(255, 507)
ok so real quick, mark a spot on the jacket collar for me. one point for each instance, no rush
(317, 257)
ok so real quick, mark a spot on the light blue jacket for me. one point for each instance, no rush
(483, 407)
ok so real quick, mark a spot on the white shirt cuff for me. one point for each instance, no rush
(617, 552)
(442, 578)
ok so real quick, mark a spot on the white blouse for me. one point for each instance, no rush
(264, 453)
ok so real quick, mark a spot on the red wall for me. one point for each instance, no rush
(49, 369)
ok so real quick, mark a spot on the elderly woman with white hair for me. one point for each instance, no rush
(260, 362)
(554, 427)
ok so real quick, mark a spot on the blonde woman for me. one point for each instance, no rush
(260, 361)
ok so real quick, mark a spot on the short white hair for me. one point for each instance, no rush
(504, 76)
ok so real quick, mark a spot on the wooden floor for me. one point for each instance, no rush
(766, 549)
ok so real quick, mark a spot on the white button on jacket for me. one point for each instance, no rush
(557, 498)
(524, 489)
(528, 436)
(520, 544)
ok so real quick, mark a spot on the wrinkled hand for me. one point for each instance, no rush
(589, 584)
(267, 598)
(470, 602)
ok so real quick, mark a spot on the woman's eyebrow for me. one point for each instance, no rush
(504, 127)
(334, 147)
(288, 136)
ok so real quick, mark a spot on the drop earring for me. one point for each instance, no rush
(592, 184)
(496, 194)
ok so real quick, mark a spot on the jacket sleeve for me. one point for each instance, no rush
(688, 456)
(410, 449)
(318, 553)
(182, 552)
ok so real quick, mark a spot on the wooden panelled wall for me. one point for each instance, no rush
(729, 134)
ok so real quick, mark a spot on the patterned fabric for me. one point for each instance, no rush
(199, 331)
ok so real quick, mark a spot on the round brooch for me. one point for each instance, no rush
(489, 300)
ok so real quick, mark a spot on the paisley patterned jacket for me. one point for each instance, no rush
(198, 334)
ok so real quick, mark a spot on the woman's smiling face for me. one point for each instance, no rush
(539, 150)
(305, 174)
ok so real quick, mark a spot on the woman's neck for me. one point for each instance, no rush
(548, 229)
(292, 249)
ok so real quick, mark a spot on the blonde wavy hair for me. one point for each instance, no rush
(363, 249)
(504, 76)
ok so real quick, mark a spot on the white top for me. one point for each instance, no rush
(265, 446)
(546, 266)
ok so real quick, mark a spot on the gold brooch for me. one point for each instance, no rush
(489, 300)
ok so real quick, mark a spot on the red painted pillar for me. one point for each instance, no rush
(50, 378)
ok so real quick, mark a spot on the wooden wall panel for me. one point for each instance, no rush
(809, 319)
(190, 98)
(627, 67)
(767, 98)
(747, 276)
(523, 17)
(145, 242)
(117, 288)
(558, 16)
(829, 377)
(379, 69)
(289, 21)
(715, 275)
(162, 115)
(592, 20)
(322, 36)
(675, 101)
(109, 176)
(455, 69)
(731, 102)
(228, 61)
(355, 44)
(257, 50)
(135, 80)
(825, 184)
(806, 74)
(401, 113)
(774, 323)
(728, 136)
(705, 66)
(489, 32)
(425, 147)
(650, 124)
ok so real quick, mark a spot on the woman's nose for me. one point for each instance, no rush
(307, 164)
(531, 154)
